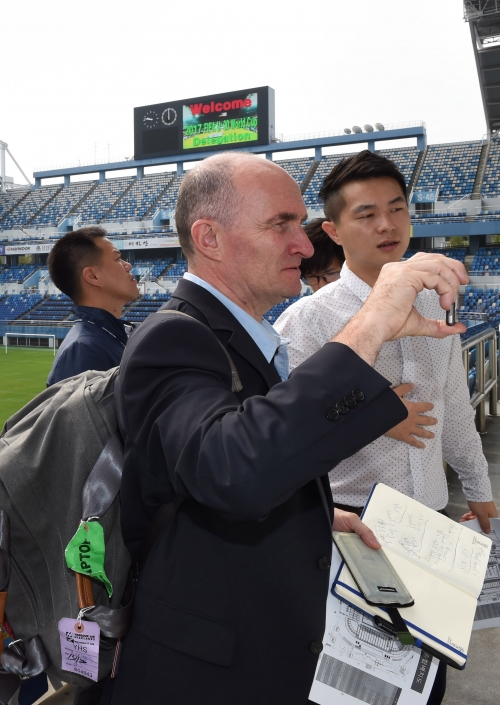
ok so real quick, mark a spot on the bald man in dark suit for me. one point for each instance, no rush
(230, 605)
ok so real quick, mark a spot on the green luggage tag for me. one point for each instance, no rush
(85, 553)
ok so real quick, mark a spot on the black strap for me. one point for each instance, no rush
(103, 483)
(402, 631)
(21, 660)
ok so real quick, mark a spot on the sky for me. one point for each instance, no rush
(72, 72)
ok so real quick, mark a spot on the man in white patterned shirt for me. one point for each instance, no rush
(367, 213)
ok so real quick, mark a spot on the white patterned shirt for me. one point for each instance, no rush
(436, 369)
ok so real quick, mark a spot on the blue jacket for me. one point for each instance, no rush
(96, 342)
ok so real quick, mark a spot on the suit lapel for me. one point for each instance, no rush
(219, 318)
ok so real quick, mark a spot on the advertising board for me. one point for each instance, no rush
(143, 243)
(222, 121)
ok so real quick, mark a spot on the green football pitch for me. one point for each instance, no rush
(23, 374)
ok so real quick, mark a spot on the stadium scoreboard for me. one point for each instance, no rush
(208, 123)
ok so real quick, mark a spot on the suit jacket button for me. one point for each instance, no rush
(350, 401)
(358, 394)
(342, 407)
(332, 414)
(324, 563)
(317, 647)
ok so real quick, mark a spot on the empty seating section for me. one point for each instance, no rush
(404, 159)
(60, 206)
(15, 305)
(453, 252)
(325, 166)
(141, 308)
(153, 267)
(28, 207)
(452, 167)
(55, 308)
(176, 270)
(440, 217)
(491, 182)
(273, 314)
(480, 301)
(487, 214)
(139, 197)
(95, 207)
(169, 198)
(297, 168)
(9, 199)
(486, 261)
(17, 274)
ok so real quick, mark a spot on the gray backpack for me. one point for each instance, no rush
(60, 462)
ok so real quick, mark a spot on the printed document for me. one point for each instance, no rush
(363, 664)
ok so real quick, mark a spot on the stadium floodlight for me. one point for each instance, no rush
(368, 128)
(379, 127)
(347, 130)
(357, 130)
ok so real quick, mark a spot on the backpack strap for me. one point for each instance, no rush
(103, 483)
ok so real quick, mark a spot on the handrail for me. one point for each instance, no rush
(486, 374)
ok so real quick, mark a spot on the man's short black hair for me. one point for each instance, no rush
(325, 250)
(360, 167)
(69, 257)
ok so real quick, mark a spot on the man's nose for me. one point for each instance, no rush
(385, 223)
(302, 244)
(127, 266)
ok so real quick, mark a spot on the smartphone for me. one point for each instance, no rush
(372, 571)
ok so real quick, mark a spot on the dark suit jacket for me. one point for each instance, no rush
(232, 598)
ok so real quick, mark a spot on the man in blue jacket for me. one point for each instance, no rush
(88, 268)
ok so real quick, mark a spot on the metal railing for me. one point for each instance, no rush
(486, 374)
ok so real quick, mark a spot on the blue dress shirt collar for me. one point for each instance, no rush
(269, 342)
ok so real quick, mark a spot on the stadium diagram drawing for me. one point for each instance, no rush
(488, 604)
(354, 636)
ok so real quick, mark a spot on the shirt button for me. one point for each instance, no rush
(358, 394)
(342, 407)
(324, 563)
(350, 401)
(317, 647)
(332, 414)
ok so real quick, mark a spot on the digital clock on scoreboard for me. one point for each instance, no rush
(213, 122)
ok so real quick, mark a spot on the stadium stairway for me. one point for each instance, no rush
(309, 175)
(481, 171)
(42, 208)
(150, 211)
(113, 205)
(15, 202)
(416, 171)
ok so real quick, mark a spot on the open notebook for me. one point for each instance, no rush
(441, 562)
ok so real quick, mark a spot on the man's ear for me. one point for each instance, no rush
(205, 236)
(91, 276)
(331, 230)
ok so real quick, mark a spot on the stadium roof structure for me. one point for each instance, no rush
(413, 130)
(483, 17)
